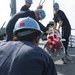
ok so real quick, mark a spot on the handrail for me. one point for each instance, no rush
(72, 40)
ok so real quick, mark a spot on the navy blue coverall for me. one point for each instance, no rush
(66, 27)
(24, 58)
(13, 20)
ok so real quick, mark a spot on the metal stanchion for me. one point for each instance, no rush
(72, 40)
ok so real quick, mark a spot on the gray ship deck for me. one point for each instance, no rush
(64, 69)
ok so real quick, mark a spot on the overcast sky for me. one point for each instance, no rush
(68, 6)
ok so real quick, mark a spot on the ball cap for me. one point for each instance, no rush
(56, 6)
(29, 1)
(41, 13)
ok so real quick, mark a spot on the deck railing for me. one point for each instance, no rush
(72, 39)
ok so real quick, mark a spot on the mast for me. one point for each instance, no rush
(53, 1)
(53, 4)
(13, 7)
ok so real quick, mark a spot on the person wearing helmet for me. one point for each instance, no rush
(27, 5)
(27, 26)
(60, 17)
(38, 14)
(24, 56)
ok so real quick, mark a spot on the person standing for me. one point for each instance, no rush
(27, 5)
(63, 22)
(23, 56)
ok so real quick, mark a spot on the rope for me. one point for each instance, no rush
(41, 2)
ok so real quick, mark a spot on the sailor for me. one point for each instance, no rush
(23, 56)
(27, 5)
(62, 20)
(38, 14)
